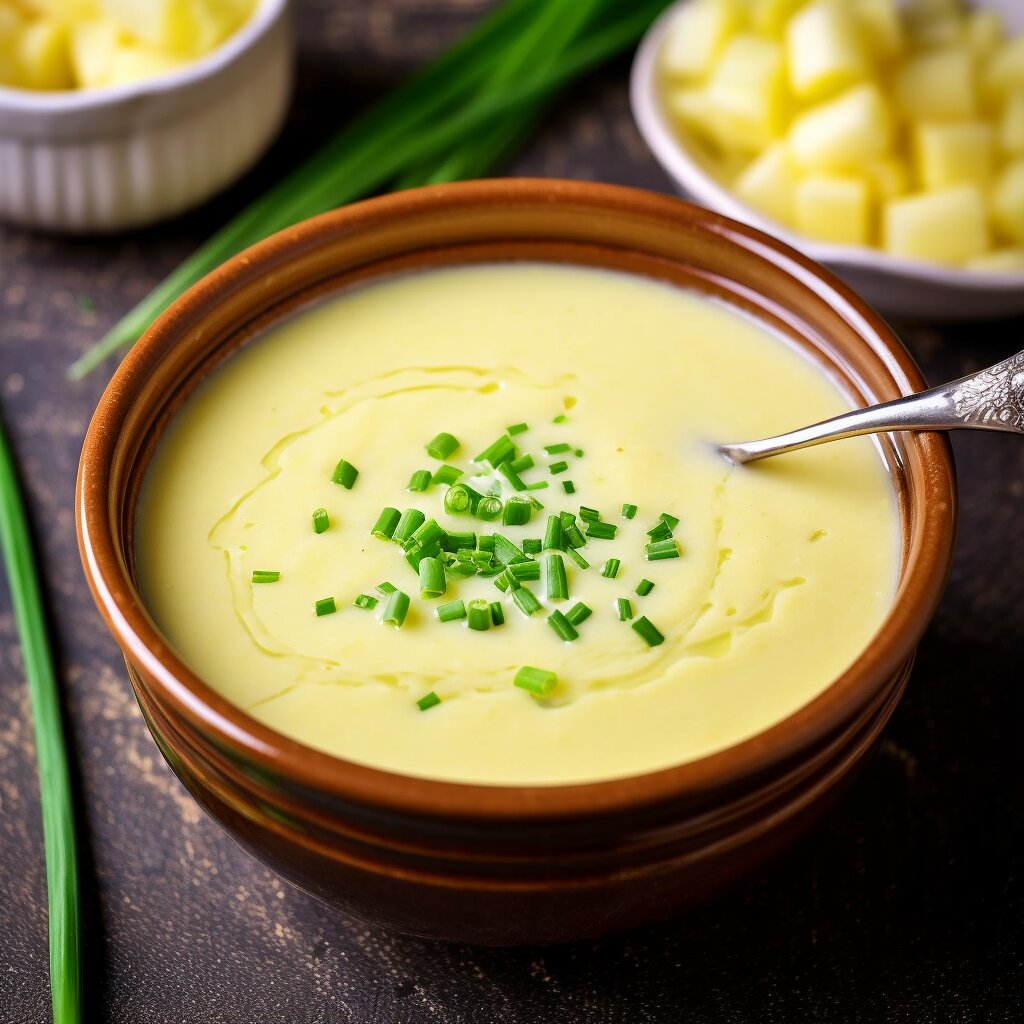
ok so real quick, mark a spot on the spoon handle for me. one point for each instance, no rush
(991, 399)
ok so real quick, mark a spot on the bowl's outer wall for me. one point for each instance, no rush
(507, 864)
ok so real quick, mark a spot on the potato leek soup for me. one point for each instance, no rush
(469, 524)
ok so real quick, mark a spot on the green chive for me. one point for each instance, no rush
(661, 549)
(553, 534)
(479, 614)
(561, 418)
(427, 535)
(538, 485)
(526, 601)
(458, 540)
(506, 552)
(524, 571)
(420, 480)
(410, 522)
(628, 511)
(265, 575)
(522, 464)
(366, 601)
(495, 454)
(535, 504)
(325, 606)
(537, 681)
(428, 701)
(644, 587)
(517, 511)
(388, 519)
(623, 608)
(506, 470)
(345, 474)
(671, 521)
(568, 486)
(660, 531)
(432, 581)
(497, 614)
(461, 500)
(321, 520)
(463, 569)
(589, 515)
(489, 508)
(601, 531)
(578, 453)
(573, 537)
(517, 428)
(557, 449)
(446, 474)
(442, 446)
(386, 588)
(451, 611)
(554, 577)
(562, 626)
(485, 542)
(648, 631)
(577, 558)
(577, 613)
(396, 609)
(533, 546)
(504, 580)
(610, 569)
(558, 467)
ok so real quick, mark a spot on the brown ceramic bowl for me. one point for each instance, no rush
(494, 864)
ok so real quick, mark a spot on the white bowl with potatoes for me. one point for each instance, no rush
(115, 114)
(883, 138)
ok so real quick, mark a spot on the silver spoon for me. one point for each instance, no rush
(991, 399)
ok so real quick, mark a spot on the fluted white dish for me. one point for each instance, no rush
(897, 287)
(106, 159)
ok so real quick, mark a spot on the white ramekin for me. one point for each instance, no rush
(125, 156)
(897, 287)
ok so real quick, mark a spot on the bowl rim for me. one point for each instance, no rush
(170, 680)
(40, 102)
(675, 159)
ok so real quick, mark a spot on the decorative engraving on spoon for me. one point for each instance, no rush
(994, 396)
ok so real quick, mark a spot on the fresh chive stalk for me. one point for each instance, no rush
(516, 482)
(451, 611)
(325, 606)
(461, 500)
(537, 681)
(610, 569)
(497, 614)
(568, 486)
(420, 480)
(388, 519)
(628, 511)
(557, 449)
(526, 601)
(554, 577)
(366, 601)
(578, 613)
(321, 520)
(489, 508)
(410, 522)
(643, 588)
(442, 446)
(432, 579)
(386, 588)
(623, 608)
(345, 474)
(589, 515)
(602, 531)
(506, 552)
(580, 561)
(553, 534)
(562, 626)
(661, 549)
(428, 701)
(265, 575)
(478, 614)
(524, 572)
(517, 428)
(497, 452)
(446, 474)
(558, 467)
(396, 609)
(648, 631)
(532, 546)
(522, 464)
(517, 512)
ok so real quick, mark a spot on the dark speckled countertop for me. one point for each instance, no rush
(904, 906)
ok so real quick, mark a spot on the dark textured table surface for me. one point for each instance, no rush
(905, 905)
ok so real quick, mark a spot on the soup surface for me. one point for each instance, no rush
(773, 579)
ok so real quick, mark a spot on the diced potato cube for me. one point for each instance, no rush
(768, 184)
(137, 63)
(697, 36)
(43, 55)
(693, 114)
(953, 153)
(66, 10)
(1011, 125)
(998, 261)
(888, 176)
(185, 28)
(10, 29)
(933, 22)
(1004, 72)
(93, 46)
(949, 226)
(844, 132)
(880, 26)
(748, 86)
(983, 31)
(834, 209)
(824, 50)
(1008, 203)
(936, 84)
(769, 17)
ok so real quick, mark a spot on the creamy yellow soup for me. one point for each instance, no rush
(784, 569)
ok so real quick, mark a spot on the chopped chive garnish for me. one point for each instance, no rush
(432, 579)
(671, 521)
(644, 587)
(345, 474)
(526, 601)
(578, 453)
(461, 500)
(463, 569)
(442, 446)
(497, 614)
(504, 580)
(553, 534)
(265, 575)
(522, 464)
(517, 482)
(524, 571)
(610, 569)
(388, 519)
(458, 540)
(658, 550)
(451, 611)
(601, 531)
(562, 626)
(561, 418)
(533, 545)
(577, 613)
(478, 614)
(396, 609)
(648, 631)
(568, 486)
(535, 504)
(428, 701)
(537, 681)
(537, 485)
(446, 474)
(412, 519)
(321, 520)
(326, 606)
(414, 554)
(386, 588)
(554, 577)
(589, 515)
(366, 601)
(517, 428)
(517, 511)
(558, 467)
(623, 608)
(427, 535)
(489, 508)
(506, 552)
(557, 449)
(573, 537)
(628, 511)
(485, 542)
(577, 558)
(660, 531)
(420, 480)
(495, 454)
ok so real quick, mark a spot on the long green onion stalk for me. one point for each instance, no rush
(457, 118)
(54, 777)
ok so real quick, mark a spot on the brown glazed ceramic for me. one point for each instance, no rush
(492, 864)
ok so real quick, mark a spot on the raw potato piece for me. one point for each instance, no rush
(888, 177)
(843, 133)
(138, 63)
(983, 31)
(769, 17)
(824, 50)
(747, 88)
(185, 28)
(697, 36)
(938, 84)
(880, 26)
(939, 227)
(43, 56)
(998, 261)
(954, 154)
(93, 46)
(1011, 127)
(834, 209)
(769, 183)
(1008, 203)
(1005, 71)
